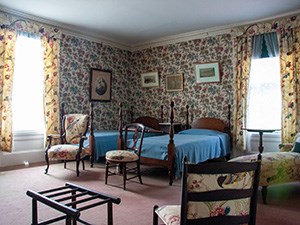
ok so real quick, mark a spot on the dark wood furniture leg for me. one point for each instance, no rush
(264, 192)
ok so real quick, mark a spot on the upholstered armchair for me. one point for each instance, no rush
(277, 167)
(70, 143)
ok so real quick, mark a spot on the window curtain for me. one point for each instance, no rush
(50, 37)
(265, 45)
(242, 56)
(288, 30)
(51, 95)
(7, 53)
(290, 75)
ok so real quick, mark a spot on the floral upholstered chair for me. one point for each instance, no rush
(70, 147)
(214, 193)
(277, 167)
(117, 161)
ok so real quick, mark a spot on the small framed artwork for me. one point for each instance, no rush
(174, 82)
(100, 85)
(150, 79)
(207, 72)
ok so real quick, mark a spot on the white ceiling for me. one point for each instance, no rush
(134, 22)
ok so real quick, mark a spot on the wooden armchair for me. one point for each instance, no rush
(70, 147)
(214, 193)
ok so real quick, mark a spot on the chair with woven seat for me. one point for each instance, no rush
(214, 193)
(69, 145)
(130, 154)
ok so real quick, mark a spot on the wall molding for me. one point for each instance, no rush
(73, 31)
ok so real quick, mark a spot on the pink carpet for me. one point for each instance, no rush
(136, 202)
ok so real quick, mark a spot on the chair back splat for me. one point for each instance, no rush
(215, 193)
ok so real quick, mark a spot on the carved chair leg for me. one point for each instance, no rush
(264, 192)
(139, 172)
(47, 161)
(92, 161)
(77, 167)
(83, 166)
(106, 172)
(65, 164)
(124, 175)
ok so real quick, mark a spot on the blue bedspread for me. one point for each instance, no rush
(106, 140)
(197, 144)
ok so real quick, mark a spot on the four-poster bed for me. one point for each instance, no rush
(206, 139)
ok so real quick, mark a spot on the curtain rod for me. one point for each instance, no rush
(11, 25)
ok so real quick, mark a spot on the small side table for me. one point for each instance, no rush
(67, 200)
(261, 132)
(166, 127)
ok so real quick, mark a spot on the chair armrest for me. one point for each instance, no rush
(286, 147)
(51, 137)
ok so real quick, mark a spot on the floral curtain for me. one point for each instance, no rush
(51, 94)
(50, 37)
(290, 74)
(288, 31)
(7, 53)
(242, 56)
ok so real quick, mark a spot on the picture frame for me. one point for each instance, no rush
(174, 82)
(100, 85)
(150, 79)
(207, 72)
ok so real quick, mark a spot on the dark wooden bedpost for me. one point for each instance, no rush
(229, 117)
(162, 113)
(62, 113)
(187, 122)
(92, 136)
(131, 114)
(229, 124)
(120, 140)
(171, 146)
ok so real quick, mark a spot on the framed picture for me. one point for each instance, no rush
(150, 79)
(207, 72)
(174, 82)
(100, 85)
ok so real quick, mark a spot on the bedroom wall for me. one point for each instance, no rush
(205, 99)
(77, 57)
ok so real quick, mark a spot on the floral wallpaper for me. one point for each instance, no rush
(208, 99)
(204, 99)
(78, 56)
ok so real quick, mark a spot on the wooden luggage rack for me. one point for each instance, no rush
(67, 200)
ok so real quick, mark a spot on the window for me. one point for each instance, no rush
(28, 88)
(264, 94)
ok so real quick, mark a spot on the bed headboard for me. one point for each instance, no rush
(149, 122)
(209, 123)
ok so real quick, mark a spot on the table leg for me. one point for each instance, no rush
(260, 146)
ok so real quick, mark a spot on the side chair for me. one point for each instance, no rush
(69, 145)
(214, 193)
(121, 162)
